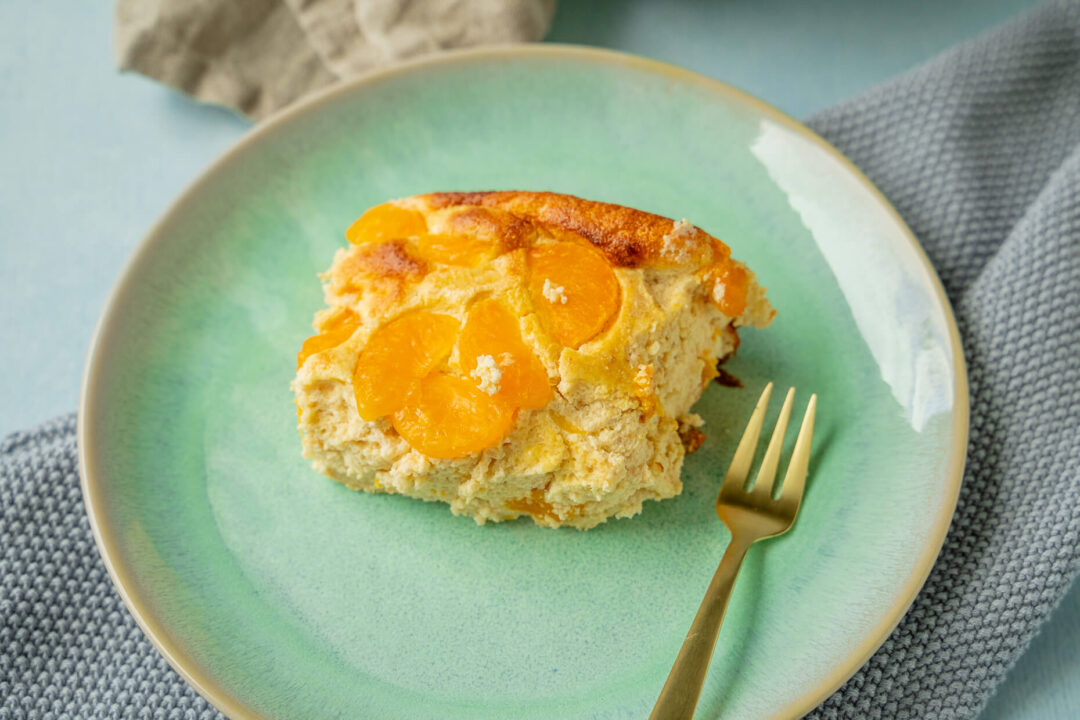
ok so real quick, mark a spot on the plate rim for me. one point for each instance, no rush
(91, 397)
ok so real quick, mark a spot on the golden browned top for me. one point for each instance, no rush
(510, 231)
(628, 237)
(563, 248)
(390, 259)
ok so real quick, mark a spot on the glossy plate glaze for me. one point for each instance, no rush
(281, 594)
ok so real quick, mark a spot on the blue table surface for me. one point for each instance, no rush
(91, 157)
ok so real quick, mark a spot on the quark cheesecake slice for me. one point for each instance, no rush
(519, 353)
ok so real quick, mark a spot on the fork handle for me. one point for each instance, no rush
(679, 697)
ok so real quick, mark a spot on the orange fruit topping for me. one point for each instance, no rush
(574, 290)
(334, 331)
(720, 250)
(537, 505)
(534, 504)
(729, 282)
(449, 417)
(467, 250)
(386, 222)
(491, 330)
(396, 357)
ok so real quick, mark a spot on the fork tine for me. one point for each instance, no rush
(763, 483)
(795, 477)
(744, 453)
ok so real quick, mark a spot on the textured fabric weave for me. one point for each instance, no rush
(259, 56)
(980, 152)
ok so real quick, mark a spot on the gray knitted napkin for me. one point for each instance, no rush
(980, 152)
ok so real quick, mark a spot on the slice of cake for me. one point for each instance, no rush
(519, 353)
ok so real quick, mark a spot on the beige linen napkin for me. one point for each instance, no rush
(257, 56)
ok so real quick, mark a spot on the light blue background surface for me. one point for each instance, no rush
(91, 158)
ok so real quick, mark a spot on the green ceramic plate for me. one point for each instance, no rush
(279, 593)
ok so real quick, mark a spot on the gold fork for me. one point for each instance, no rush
(751, 514)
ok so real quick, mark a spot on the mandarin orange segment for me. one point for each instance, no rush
(534, 504)
(449, 417)
(396, 357)
(729, 285)
(386, 222)
(574, 291)
(334, 332)
(492, 330)
(464, 250)
(720, 250)
(537, 505)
